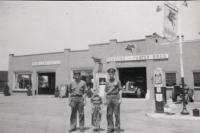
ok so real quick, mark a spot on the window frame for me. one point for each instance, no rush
(194, 79)
(15, 80)
(170, 72)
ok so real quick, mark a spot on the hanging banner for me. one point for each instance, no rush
(170, 21)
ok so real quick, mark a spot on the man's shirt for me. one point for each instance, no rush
(113, 87)
(77, 88)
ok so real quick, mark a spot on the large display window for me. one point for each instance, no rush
(22, 81)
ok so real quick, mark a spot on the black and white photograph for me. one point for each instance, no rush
(99, 66)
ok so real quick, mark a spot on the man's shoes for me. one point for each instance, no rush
(95, 129)
(71, 130)
(117, 130)
(110, 130)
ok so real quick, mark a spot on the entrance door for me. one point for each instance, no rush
(132, 79)
(46, 83)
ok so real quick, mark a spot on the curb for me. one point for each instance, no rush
(176, 116)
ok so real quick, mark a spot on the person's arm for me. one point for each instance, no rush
(120, 92)
(105, 93)
(85, 93)
(69, 91)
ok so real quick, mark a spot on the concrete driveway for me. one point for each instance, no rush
(46, 114)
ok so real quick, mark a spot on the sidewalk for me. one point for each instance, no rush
(178, 115)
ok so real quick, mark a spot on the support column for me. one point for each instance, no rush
(149, 75)
(34, 83)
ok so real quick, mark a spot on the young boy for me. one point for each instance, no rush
(96, 101)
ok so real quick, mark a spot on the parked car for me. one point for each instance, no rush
(132, 89)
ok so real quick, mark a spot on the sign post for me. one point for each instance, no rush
(170, 32)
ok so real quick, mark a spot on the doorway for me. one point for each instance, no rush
(132, 79)
(46, 83)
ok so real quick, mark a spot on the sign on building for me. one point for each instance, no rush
(46, 63)
(138, 57)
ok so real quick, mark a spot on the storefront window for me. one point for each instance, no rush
(196, 78)
(23, 81)
(170, 79)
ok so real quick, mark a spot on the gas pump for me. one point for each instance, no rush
(159, 90)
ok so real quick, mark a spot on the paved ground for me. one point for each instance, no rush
(46, 114)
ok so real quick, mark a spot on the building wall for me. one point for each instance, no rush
(81, 60)
(191, 56)
(24, 64)
(3, 79)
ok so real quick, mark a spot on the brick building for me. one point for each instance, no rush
(134, 60)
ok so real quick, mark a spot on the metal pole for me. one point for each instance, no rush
(184, 110)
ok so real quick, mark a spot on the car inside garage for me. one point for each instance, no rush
(133, 81)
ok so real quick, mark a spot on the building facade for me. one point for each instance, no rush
(135, 60)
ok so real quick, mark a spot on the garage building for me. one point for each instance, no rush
(135, 60)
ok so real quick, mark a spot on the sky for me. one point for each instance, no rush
(48, 26)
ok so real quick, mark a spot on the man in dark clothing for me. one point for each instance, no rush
(77, 101)
(113, 101)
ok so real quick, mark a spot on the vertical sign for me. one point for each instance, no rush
(170, 21)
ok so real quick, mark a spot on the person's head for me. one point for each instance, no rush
(111, 73)
(77, 76)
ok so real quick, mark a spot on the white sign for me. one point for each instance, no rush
(45, 63)
(102, 90)
(170, 21)
(159, 97)
(138, 57)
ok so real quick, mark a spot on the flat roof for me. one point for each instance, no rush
(84, 50)
(137, 40)
(38, 54)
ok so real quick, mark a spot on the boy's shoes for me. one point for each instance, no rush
(82, 129)
(71, 130)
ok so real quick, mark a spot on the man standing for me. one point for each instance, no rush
(77, 101)
(113, 101)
